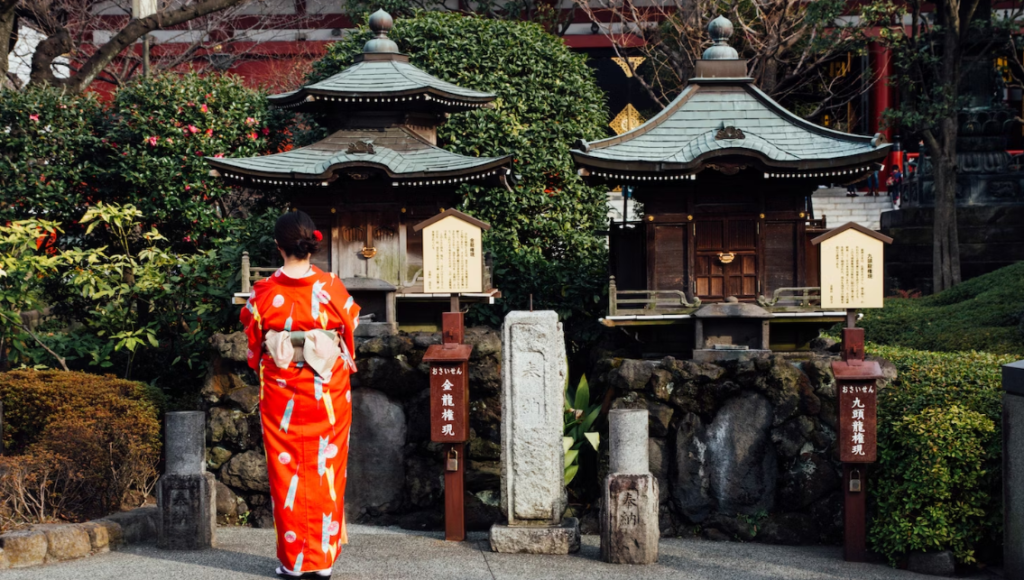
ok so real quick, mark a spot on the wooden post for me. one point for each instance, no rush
(452, 331)
(1, 427)
(854, 500)
(612, 292)
(246, 285)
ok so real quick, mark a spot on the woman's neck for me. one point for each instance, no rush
(295, 268)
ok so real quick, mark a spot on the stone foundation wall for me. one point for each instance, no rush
(395, 475)
(741, 450)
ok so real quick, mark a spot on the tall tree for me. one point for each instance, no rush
(929, 56)
(89, 40)
(790, 45)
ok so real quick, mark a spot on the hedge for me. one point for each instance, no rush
(938, 484)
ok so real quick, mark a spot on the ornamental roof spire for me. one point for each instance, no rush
(380, 24)
(720, 29)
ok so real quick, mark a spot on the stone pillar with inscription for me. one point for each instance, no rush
(629, 516)
(185, 494)
(532, 458)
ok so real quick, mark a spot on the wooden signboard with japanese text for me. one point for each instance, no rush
(452, 253)
(851, 267)
(858, 404)
(449, 394)
(858, 439)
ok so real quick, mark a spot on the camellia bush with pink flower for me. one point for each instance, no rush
(139, 162)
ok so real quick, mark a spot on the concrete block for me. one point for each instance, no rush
(136, 526)
(65, 541)
(1013, 477)
(187, 514)
(24, 548)
(629, 521)
(627, 440)
(559, 540)
(185, 442)
(933, 563)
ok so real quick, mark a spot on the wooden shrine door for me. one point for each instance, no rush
(725, 255)
(378, 234)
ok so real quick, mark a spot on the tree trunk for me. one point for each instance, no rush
(946, 250)
(7, 22)
(946, 245)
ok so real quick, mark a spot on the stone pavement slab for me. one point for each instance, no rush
(388, 553)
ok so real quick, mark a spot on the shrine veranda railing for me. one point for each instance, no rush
(675, 302)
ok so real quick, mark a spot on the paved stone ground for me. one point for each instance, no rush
(387, 553)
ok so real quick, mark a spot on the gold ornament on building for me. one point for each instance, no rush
(627, 120)
(629, 64)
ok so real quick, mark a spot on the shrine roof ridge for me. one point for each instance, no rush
(851, 226)
(719, 116)
(398, 151)
(451, 213)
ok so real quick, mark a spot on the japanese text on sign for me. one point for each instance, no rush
(851, 271)
(448, 404)
(857, 423)
(451, 257)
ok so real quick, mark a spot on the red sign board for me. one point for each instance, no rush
(858, 404)
(449, 395)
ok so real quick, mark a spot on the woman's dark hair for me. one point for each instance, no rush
(294, 234)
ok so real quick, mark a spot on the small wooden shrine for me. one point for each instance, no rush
(377, 173)
(725, 175)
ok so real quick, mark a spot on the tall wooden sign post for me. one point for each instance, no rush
(452, 264)
(852, 278)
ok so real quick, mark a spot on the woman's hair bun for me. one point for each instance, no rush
(294, 232)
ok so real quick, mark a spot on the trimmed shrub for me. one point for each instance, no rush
(938, 483)
(108, 429)
(544, 232)
(984, 314)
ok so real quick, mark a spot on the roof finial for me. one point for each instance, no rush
(380, 23)
(721, 30)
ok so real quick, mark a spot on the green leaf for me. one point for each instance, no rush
(594, 438)
(566, 444)
(570, 457)
(570, 473)
(582, 394)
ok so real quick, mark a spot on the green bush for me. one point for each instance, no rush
(543, 237)
(101, 433)
(159, 133)
(984, 314)
(48, 154)
(939, 454)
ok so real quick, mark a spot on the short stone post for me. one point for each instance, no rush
(629, 518)
(1013, 470)
(532, 458)
(186, 493)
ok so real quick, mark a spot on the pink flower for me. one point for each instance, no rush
(152, 141)
(203, 108)
(253, 135)
(199, 153)
(193, 129)
(34, 118)
(209, 132)
(169, 140)
(219, 155)
(187, 238)
(250, 121)
(188, 187)
(266, 131)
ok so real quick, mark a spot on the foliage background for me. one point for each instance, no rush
(984, 314)
(938, 483)
(164, 274)
(544, 238)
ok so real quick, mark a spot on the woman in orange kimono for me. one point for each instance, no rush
(300, 323)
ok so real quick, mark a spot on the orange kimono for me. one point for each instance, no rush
(306, 417)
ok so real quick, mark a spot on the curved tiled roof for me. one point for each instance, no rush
(388, 76)
(397, 151)
(685, 134)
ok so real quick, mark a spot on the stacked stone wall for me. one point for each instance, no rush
(395, 474)
(742, 450)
